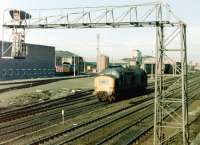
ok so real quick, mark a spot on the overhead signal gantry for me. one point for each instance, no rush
(158, 15)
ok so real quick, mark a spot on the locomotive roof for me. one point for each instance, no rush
(116, 71)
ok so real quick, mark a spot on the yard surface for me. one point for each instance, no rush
(44, 92)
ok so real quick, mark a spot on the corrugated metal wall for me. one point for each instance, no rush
(39, 62)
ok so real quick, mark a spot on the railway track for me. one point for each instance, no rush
(32, 109)
(22, 124)
(44, 114)
(5, 129)
(110, 116)
(144, 114)
(133, 103)
(31, 125)
(29, 108)
(106, 121)
(132, 133)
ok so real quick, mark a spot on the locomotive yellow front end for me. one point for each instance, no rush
(104, 88)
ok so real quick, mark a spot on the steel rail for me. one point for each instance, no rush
(130, 142)
(35, 124)
(38, 107)
(135, 103)
(83, 133)
(95, 121)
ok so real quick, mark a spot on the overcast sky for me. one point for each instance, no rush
(116, 43)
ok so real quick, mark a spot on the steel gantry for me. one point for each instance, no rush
(167, 122)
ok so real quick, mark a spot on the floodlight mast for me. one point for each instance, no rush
(128, 16)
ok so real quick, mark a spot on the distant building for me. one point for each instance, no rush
(123, 62)
(103, 62)
(148, 64)
(69, 58)
(195, 65)
(170, 66)
(90, 67)
(39, 61)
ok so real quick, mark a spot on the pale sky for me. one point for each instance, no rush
(116, 43)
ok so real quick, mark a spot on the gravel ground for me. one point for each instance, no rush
(44, 92)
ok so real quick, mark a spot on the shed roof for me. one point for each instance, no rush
(65, 54)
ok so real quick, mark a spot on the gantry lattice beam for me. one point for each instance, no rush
(141, 15)
(156, 14)
(95, 25)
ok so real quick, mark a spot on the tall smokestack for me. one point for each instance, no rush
(98, 52)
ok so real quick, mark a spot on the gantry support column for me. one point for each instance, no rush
(184, 71)
(159, 72)
(167, 122)
(18, 43)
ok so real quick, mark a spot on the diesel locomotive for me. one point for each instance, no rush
(115, 82)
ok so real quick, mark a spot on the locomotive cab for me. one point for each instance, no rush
(104, 84)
